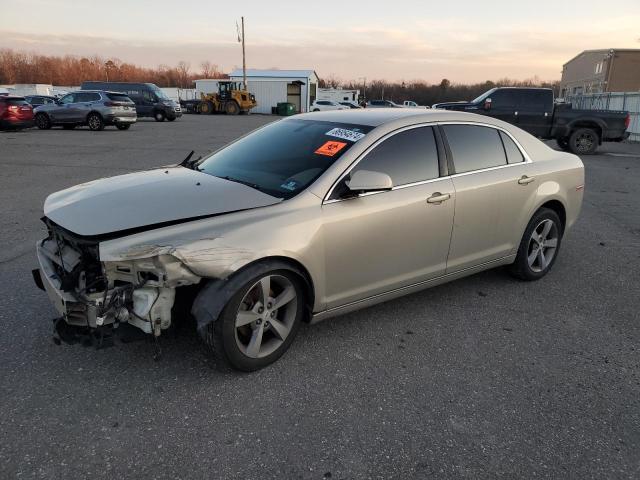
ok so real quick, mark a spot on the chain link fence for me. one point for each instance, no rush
(629, 101)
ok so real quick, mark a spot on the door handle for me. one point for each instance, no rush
(438, 198)
(524, 180)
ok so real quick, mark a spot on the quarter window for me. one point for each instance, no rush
(474, 147)
(514, 155)
(407, 157)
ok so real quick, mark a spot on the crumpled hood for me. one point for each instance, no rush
(148, 198)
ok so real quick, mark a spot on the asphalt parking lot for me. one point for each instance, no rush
(486, 377)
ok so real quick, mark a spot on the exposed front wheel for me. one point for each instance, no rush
(159, 116)
(42, 121)
(95, 122)
(539, 246)
(584, 141)
(259, 322)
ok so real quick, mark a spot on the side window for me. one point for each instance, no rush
(474, 147)
(407, 157)
(93, 97)
(514, 155)
(503, 98)
(37, 101)
(67, 99)
(148, 96)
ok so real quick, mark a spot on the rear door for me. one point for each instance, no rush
(86, 102)
(502, 105)
(383, 241)
(495, 191)
(534, 110)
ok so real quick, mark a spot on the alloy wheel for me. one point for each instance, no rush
(265, 316)
(542, 245)
(585, 141)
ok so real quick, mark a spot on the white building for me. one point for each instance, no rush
(338, 95)
(271, 87)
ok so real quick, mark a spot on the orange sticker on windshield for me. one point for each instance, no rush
(330, 148)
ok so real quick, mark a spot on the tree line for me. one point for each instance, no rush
(425, 93)
(69, 70)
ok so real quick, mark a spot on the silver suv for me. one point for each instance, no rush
(94, 108)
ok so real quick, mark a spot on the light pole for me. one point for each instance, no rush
(364, 89)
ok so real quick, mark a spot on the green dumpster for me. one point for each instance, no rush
(285, 109)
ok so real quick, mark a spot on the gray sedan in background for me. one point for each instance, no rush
(96, 109)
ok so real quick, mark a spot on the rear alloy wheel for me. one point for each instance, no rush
(159, 116)
(232, 108)
(584, 141)
(95, 122)
(259, 322)
(123, 126)
(539, 246)
(42, 121)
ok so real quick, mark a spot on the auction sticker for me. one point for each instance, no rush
(345, 134)
(330, 148)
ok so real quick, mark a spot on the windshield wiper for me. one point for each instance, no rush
(243, 182)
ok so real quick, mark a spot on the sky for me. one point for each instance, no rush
(462, 40)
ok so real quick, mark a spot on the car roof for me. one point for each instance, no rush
(379, 116)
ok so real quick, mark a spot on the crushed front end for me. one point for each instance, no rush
(94, 298)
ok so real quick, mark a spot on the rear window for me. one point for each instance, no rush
(285, 157)
(474, 147)
(118, 97)
(16, 102)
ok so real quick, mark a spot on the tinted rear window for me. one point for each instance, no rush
(118, 97)
(514, 155)
(16, 102)
(474, 147)
(285, 157)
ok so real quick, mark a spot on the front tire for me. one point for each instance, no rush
(584, 141)
(539, 246)
(95, 122)
(42, 121)
(259, 322)
(159, 116)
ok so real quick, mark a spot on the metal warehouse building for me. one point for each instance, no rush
(275, 86)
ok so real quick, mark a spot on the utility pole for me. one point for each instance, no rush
(244, 60)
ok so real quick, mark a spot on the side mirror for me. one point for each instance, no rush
(366, 181)
(487, 104)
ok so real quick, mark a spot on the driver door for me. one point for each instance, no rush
(67, 109)
(378, 242)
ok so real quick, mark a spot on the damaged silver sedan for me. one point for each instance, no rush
(304, 219)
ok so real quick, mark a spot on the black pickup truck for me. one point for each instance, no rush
(533, 110)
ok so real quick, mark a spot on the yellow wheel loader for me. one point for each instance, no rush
(230, 99)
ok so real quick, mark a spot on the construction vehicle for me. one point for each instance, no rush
(231, 99)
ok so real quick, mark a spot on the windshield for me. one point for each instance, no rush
(285, 157)
(159, 93)
(483, 96)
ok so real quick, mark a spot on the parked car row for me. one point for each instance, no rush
(96, 105)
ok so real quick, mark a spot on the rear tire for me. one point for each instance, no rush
(232, 108)
(584, 141)
(95, 122)
(42, 121)
(123, 126)
(539, 246)
(242, 338)
(159, 116)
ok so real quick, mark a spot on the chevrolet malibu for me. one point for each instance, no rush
(304, 219)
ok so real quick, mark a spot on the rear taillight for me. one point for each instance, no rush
(627, 121)
(13, 108)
